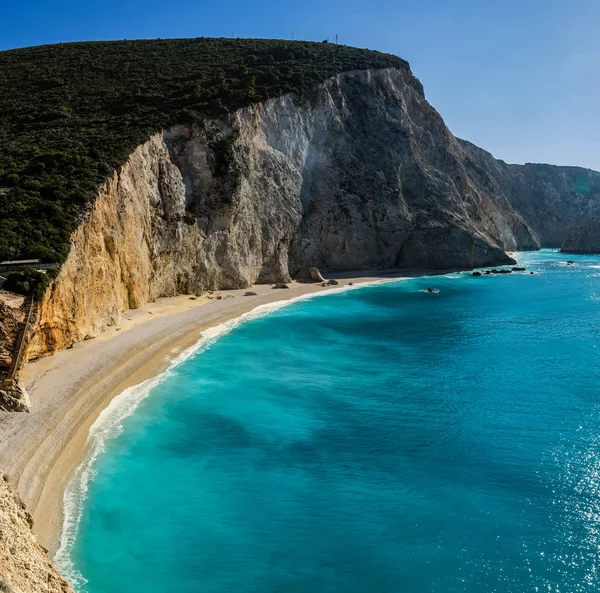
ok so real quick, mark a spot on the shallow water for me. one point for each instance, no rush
(380, 439)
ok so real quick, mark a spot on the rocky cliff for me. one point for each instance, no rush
(361, 173)
(24, 564)
(550, 198)
(584, 236)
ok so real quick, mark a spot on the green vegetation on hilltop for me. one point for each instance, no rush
(72, 113)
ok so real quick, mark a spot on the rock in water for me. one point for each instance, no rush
(315, 275)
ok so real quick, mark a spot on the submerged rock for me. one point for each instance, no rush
(476, 274)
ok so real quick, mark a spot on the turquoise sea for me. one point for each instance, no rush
(374, 440)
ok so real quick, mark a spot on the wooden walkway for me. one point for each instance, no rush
(22, 337)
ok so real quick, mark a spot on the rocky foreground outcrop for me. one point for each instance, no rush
(362, 173)
(583, 237)
(24, 564)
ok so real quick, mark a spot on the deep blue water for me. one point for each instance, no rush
(380, 439)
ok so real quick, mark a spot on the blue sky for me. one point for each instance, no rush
(520, 78)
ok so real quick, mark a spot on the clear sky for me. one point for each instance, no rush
(520, 78)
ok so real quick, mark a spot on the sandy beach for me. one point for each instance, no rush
(40, 450)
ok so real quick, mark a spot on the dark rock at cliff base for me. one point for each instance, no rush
(583, 236)
(476, 274)
(332, 283)
(280, 285)
(517, 269)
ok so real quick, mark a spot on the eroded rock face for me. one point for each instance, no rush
(11, 315)
(361, 174)
(13, 396)
(24, 564)
(551, 199)
(584, 236)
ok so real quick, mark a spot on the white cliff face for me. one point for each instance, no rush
(362, 173)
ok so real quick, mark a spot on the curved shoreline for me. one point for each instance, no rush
(41, 450)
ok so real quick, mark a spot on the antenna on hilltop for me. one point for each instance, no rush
(336, 38)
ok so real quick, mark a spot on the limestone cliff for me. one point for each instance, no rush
(361, 173)
(24, 564)
(584, 236)
(550, 198)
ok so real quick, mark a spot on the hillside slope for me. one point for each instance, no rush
(72, 113)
